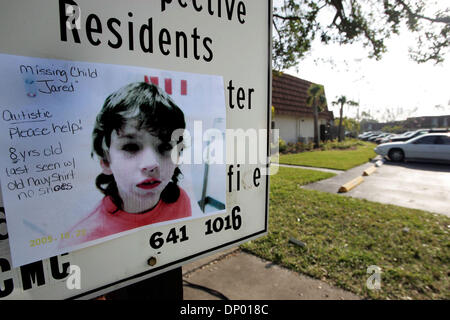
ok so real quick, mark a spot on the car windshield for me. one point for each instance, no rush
(419, 134)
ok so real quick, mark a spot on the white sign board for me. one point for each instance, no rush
(134, 139)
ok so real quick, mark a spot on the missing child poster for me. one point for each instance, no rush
(133, 139)
(100, 144)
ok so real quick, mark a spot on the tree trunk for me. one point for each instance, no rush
(341, 111)
(316, 126)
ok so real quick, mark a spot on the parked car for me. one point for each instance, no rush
(363, 135)
(432, 146)
(438, 130)
(381, 135)
(366, 138)
(409, 135)
(385, 139)
(350, 134)
(389, 138)
(372, 137)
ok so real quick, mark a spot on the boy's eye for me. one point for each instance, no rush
(130, 147)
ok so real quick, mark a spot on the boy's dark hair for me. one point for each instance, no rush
(152, 109)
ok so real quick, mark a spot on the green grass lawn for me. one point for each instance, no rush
(332, 159)
(344, 236)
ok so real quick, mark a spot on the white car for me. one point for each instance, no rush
(432, 146)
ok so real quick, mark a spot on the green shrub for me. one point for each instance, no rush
(324, 146)
(309, 146)
(281, 145)
(299, 147)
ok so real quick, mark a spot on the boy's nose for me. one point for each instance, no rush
(149, 169)
(149, 163)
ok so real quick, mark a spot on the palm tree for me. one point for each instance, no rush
(317, 100)
(342, 100)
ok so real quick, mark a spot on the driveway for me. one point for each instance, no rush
(414, 185)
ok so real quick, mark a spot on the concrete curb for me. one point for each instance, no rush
(358, 180)
(379, 163)
(351, 184)
(369, 171)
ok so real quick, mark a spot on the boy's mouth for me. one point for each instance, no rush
(149, 184)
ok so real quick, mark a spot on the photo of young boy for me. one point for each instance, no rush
(132, 138)
(131, 149)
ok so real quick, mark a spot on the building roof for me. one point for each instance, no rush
(289, 96)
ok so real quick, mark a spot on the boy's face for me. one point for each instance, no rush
(141, 165)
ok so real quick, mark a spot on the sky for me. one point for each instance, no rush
(395, 82)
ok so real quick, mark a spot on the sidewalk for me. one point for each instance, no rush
(241, 276)
(310, 168)
(333, 184)
(238, 275)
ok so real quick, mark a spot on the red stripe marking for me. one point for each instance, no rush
(154, 80)
(183, 87)
(168, 85)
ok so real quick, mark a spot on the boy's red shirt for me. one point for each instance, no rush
(106, 219)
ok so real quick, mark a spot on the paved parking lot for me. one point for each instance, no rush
(415, 185)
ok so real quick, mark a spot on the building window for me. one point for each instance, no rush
(434, 122)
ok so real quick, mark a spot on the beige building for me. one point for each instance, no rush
(293, 118)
